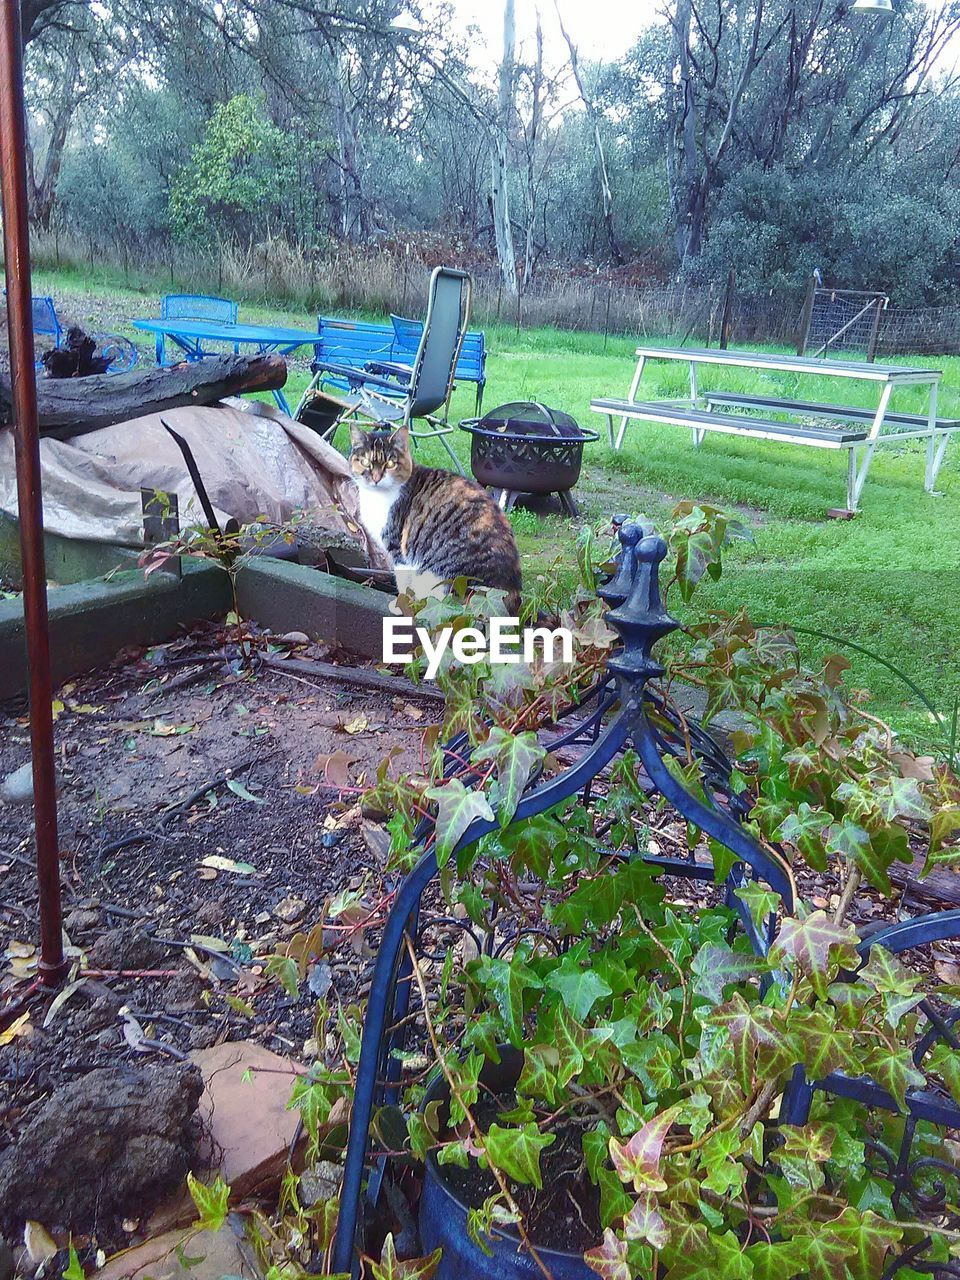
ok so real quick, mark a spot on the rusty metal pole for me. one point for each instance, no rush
(16, 245)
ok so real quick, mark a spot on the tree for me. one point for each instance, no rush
(499, 145)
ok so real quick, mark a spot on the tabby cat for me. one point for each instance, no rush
(435, 526)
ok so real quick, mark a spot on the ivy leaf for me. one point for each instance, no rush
(391, 1268)
(747, 1027)
(823, 1045)
(894, 1071)
(644, 1222)
(506, 981)
(639, 1159)
(725, 1175)
(760, 903)
(211, 1201)
(598, 900)
(817, 946)
(781, 1261)
(804, 830)
(653, 1061)
(538, 1077)
(716, 966)
(73, 1270)
(467, 1075)
(848, 840)
(516, 756)
(579, 989)
(609, 1258)
(902, 798)
(866, 1240)
(516, 1152)
(456, 810)
(945, 1061)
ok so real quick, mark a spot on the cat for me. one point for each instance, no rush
(434, 526)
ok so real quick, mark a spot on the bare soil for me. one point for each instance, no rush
(158, 932)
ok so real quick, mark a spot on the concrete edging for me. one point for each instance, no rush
(91, 621)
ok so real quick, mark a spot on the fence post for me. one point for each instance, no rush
(806, 315)
(874, 332)
(726, 319)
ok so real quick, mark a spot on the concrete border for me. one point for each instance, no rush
(91, 621)
(68, 560)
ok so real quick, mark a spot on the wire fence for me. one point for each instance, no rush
(380, 282)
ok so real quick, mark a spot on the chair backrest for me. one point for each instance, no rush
(471, 363)
(45, 319)
(197, 306)
(352, 342)
(448, 312)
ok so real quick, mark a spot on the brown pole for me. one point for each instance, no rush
(16, 246)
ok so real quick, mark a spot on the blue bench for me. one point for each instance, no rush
(358, 343)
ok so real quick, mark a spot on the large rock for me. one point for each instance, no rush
(177, 1255)
(111, 1143)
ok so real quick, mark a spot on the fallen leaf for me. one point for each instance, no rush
(161, 729)
(211, 943)
(217, 863)
(335, 767)
(60, 1000)
(39, 1243)
(19, 1027)
(415, 713)
(240, 790)
(947, 972)
(16, 948)
(356, 726)
(57, 707)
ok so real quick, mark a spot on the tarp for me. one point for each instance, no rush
(254, 463)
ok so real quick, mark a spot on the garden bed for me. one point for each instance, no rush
(155, 926)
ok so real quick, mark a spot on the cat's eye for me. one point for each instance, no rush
(391, 464)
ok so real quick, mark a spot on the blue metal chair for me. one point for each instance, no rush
(387, 392)
(120, 351)
(193, 306)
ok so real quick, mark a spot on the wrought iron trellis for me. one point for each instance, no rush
(622, 711)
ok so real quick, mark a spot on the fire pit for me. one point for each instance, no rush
(526, 447)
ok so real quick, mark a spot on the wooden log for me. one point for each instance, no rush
(74, 406)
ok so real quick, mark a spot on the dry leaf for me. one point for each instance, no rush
(60, 1000)
(947, 972)
(40, 1245)
(19, 1027)
(215, 863)
(356, 726)
(212, 944)
(335, 767)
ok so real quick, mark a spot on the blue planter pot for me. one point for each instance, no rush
(443, 1218)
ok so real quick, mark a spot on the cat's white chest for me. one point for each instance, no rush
(376, 503)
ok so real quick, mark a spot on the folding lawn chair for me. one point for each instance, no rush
(387, 392)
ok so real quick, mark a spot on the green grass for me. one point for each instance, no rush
(888, 580)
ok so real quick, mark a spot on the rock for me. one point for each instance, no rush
(247, 1122)
(204, 1035)
(127, 948)
(102, 1014)
(81, 920)
(6, 1260)
(17, 787)
(295, 637)
(127, 1136)
(290, 910)
(320, 1182)
(223, 1253)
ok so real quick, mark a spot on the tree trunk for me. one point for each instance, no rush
(73, 406)
(499, 166)
(42, 190)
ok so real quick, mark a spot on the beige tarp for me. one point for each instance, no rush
(252, 463)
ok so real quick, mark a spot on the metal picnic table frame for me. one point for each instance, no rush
(189, 334)
(860, 444)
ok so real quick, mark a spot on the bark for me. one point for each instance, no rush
(73, 406)
(606, 192)
(42, 189)
(499, 159)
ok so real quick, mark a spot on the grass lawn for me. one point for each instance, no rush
(888, 580)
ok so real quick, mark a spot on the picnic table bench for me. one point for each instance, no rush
(861, 431)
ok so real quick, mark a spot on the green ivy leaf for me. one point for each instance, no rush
(760, 903)
(804, 830)
(781, 1261)
(644, 1222)
(579, 989)
(538, 1076)
(467, 1076)
(945, 1061)
(211, 1201)
(516, 756)
(849, 841)
(717, 966)
(853, 1246)
(73, 1269)
(893, 1070)
(457, 808)
(506, 981)
(516, 1152)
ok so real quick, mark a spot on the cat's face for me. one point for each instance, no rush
(380, 458)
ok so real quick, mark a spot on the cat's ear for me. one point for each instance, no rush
(401, 438)
(357, 435)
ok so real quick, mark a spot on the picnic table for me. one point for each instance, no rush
(267, 338)
(860, 430)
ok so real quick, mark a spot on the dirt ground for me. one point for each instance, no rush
(177, 900)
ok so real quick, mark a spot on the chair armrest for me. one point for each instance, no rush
(390, 369)
(355, 377)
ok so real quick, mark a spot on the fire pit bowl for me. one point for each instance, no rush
(526, 447)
